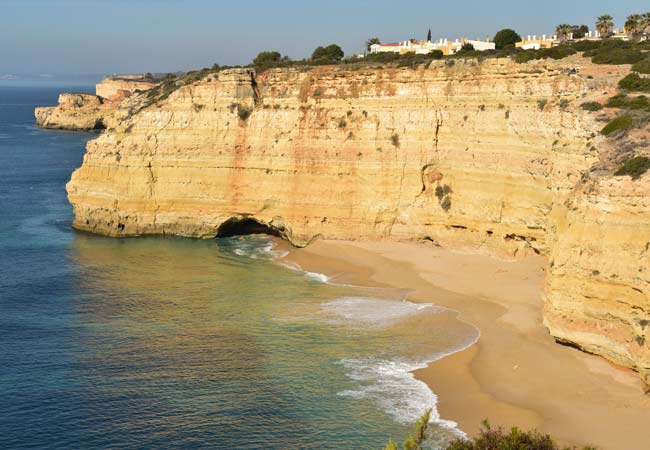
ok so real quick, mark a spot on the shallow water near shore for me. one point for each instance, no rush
(152, 342)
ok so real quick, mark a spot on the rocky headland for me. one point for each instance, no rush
(490, 155)
(88, 111)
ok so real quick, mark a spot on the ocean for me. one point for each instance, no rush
(182, 343)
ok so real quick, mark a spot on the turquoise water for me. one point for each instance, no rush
(181, 343)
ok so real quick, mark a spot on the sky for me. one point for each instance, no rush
(134, 36)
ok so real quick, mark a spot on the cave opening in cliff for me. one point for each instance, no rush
(246, 226)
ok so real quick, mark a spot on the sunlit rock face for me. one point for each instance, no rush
(488, 155)
(88, 111)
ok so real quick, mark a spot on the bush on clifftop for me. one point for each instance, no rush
(331, 54)
(634, 167)
(620, 123)
(634, 82)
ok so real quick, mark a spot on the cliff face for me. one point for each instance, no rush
(87, 111)
(598, 286)
(488, 155)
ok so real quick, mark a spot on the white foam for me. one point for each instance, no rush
(257, 247)
(321, 277)
(392, 386)
(390, 382)
(373, 312)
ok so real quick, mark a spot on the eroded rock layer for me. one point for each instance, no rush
(485, 155)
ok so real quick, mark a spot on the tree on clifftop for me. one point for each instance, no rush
(429, 35)
(372, 41)
(604, 24)
(328, 55)
(506, 38)
(563, 31)
(266, 60)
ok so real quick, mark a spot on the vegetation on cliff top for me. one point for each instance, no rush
(634, 82)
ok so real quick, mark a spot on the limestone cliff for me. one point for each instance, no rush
(492, 155)
(87, 111)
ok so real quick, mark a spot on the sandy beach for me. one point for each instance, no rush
(516, 375)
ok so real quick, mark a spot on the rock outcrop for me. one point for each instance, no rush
(491, 155)
(87, 111)
(74, 112)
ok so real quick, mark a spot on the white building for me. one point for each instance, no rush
(446, 46)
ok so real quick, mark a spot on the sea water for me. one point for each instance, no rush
(184, 343)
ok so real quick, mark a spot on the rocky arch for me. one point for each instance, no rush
(242, 226)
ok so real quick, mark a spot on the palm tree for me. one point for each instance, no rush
(633, 26)
(604, 25)
(644, 24)
(372, 41)
(563, 31)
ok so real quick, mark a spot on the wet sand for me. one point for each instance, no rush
(516, 375)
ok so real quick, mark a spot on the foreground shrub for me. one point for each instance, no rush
(591, 106)
(634, 167)
(634, 82)
(621, 123)
(498, 439)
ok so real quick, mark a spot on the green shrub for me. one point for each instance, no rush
(634, 82)
(394, 139)
(584, 46)
(634, 167)
(621, 123)
(541, 104)
(623, 101)
(505, 38)
(642, 66)
(446, 203)
(617, 56)
(591, 106)
(415, 60)
(442, 191)
(342, 123)
(243, 112)
(327, 55)
(268, 60)
(498, 439)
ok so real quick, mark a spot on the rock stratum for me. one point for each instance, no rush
(488, 155)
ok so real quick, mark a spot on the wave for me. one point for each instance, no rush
(389, 382)
(254, 247)
(373, 312)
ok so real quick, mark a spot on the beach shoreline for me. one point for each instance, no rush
(516, 374)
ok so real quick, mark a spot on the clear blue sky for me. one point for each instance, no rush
(108, 36)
